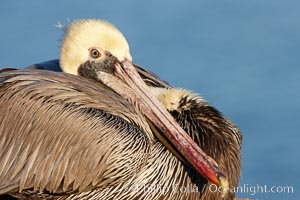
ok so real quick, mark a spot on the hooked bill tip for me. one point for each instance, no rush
(224, 185)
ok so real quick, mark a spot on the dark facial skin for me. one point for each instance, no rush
(89, 69)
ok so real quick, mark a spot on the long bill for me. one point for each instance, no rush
(138, 92)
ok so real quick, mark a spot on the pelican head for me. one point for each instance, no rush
(83, 35)
(96, 50)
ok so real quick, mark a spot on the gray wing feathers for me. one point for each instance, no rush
(49, 142)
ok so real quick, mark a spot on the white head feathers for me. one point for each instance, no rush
(84, 34)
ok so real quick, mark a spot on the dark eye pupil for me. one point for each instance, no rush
(95, 53)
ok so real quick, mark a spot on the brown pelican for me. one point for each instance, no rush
(67, 137)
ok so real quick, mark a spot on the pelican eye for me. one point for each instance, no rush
(94, 53)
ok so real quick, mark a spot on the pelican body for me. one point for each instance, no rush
(90, 135)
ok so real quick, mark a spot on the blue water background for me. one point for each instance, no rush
(241, 56)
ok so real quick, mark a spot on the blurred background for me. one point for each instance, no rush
(241, 56)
